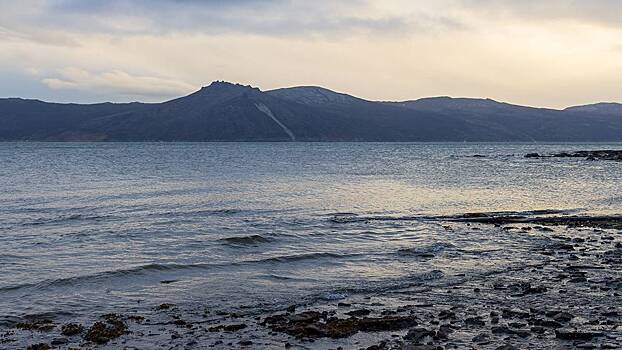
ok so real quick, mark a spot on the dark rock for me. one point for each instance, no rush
(136, 318)
(103, 331)
(506, 330)
(507, 347)
(570, 334)
(446, 314)
(40, 346)
(164, 306)
(475, 321)
(245, 343)
(180, 323)
(417, 335)
(515, 313)
(307, 316)
(315, 325)
(234, 327)
(547, 323)
(59, 341)
(481, 339)
(36, 325)
(358, 313)
(563, 317)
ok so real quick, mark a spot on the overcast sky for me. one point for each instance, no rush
(552, 53)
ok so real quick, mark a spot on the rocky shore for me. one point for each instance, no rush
(570, 299)
(615, 155)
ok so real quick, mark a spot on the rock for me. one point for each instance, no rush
(547, 323)
(36, 325)
(40, 346)
(417, 335)
(475, 321)
(446, 314)
(234, 327)
(164, 306)
(507, 347)
(515, 313)
(245, 343)
(481, 339)
(305, 317)
(444, 331)
(315, 325)
(532, 155)
(570, 334)
(59, 341)
(507, 330)
(358, 313)
(227, 328)
(563, 317)
(136, 318)
(180, 323)
(102, 332)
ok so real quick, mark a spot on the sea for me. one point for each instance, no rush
(92, 228)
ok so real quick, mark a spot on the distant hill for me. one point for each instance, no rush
(231, 112)
(603, 108)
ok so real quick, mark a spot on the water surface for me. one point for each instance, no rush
(89, 228)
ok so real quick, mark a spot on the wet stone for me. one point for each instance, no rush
(37, 325)
(570, 334)
(71, 329)
(358, 313)
(110, 328)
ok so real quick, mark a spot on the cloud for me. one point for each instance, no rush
(280, 18)
(53, 38)
(117, 82)
(553, 53)
(595, 12)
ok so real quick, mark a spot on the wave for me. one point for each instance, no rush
(345, 219)
(354, 219)
(246, 240)
(425, 251)
(66, 218)
(156, 267)
(307, 256)
(74, 280)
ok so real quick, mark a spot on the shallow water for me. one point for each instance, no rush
(89, 228)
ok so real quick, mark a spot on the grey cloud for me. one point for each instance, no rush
(256, 17)
(601, 12)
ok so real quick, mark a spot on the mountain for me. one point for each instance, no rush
(601, 108)
(231, 112)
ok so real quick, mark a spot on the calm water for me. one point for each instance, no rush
(90, 228)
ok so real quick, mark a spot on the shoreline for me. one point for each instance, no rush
(569, 299)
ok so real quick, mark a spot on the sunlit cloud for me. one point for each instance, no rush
(117, 82)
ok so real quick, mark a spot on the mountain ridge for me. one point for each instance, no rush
(223, 111)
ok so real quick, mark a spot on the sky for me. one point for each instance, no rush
(553, 53)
